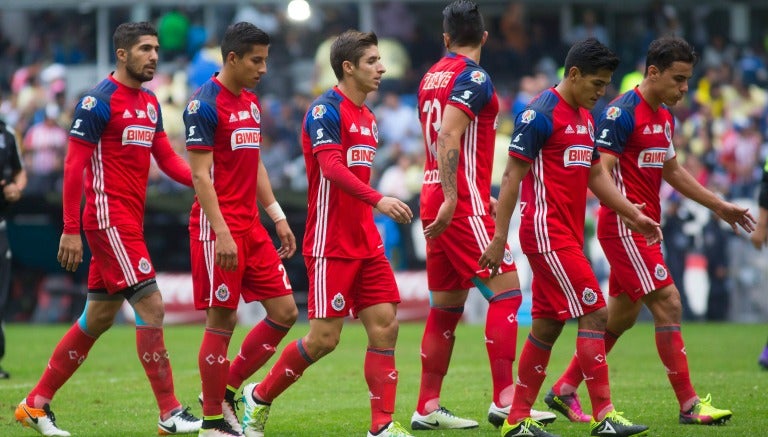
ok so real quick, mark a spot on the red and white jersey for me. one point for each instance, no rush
(122, 124)
(458, 81)
(338, 224)
(229, 125)
(642, 140)
(558, 140)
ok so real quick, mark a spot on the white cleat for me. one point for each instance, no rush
(182, 422)
(441, 418)
(230, 413)
(41, 420)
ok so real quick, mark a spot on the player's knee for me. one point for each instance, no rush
(668, 308)
(286, 316)
(98, 323)
(322, 344)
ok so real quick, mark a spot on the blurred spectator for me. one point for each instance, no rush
(399, 129)
(677, 243)
(261, 16)
(44, 148)
(588, 28)
(172, 30)
(205, 62)
(739, 156)
(715, 248)
(394, 20)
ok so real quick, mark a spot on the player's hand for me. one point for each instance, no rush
(443, 219)
(226, 251)
(491, 258)
(287, 239)
(737, 216)
(11, 191)
(493, 207)
(758, 237)
(642, 224)
(70, 251)
(395, 209)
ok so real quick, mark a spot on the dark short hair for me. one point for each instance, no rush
(590, 56)
(463, 23)
(127, 34)
(240, 38)
(665, 51)
(350, 46)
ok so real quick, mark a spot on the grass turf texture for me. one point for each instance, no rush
(109, 394)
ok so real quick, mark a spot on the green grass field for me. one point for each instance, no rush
(110, 395)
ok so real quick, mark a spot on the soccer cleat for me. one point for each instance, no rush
(525, 428)
(616, 425)
(41, 420)
(182, 422)
(394, 429)
(763, 360)
(704, 413)
(221, 429)
(229, 409)
(441, 418)
(497, 415)
(255, 414)
(568, 405)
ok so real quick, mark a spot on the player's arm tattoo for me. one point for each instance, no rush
(448, 169)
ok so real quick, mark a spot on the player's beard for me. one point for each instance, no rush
(137, 72)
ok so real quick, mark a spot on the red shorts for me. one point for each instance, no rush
(636, 268)
(564, 285)
(260, 273)
(119, 258)
(339, 287)
(452, 256)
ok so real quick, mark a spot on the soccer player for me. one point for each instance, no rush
(344, 254)
(458, 110)
(635, 140)
(12, 182)
(759, 238)
(116, 127)
(552, 153)
(232, 254)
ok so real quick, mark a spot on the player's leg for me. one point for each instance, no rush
(374, 301)
(69, 354)
(326, 318)
(666, 307)
(266, 280)
(448, 292)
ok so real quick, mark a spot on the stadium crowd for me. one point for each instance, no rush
(722, 125)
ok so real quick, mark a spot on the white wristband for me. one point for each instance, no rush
(275, 212)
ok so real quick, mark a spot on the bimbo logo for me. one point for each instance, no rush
(652, 158)
(246, 138)
(360, 155)
(138, 136)
(578, 155)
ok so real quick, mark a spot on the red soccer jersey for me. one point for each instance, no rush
(642, 139)
(458, 81)
(122, 124)
(558, 140)
(338, 224)
(230, 126)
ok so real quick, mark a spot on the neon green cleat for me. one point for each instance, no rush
(616, 425)
(255, 414)
(703, 413)
(525, 428)
(394, 429)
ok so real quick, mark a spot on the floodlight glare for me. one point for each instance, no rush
(298, 10)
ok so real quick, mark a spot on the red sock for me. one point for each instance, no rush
(288, 369)
(154, 357)
(258, 346)
(501, 343)
(570, 379)
(66, 358)
(381, 376)
(214, 368)
(531, 371)
(436, 349)
(669, 343)
(590, 350)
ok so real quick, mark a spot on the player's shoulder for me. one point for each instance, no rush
(329, 101)
(624, 103)
(545, 102)
(102, 92)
